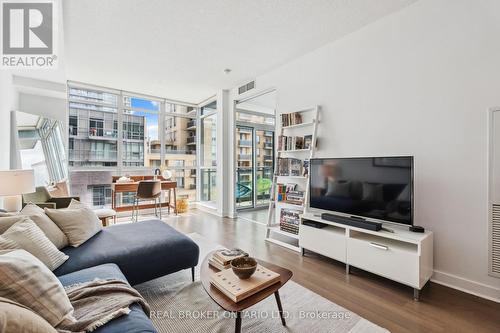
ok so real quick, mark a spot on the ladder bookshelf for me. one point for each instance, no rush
(306, 127)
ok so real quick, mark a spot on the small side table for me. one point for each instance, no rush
(227, 304)
(104, 214)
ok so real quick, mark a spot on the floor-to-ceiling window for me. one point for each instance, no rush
(115, 133)
(180, 148)
(208, 152)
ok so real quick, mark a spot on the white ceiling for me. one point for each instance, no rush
(179, 49)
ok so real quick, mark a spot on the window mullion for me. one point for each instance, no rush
(119, 143)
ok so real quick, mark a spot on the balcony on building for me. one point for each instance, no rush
(191, 140)
(191, 125)
(245, 143)
(245, 156)
(102, 134)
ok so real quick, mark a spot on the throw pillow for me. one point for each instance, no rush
(27, 281)
(76, 204)
(15, 317)
(28, 236)
(37, 215)
(78, 224)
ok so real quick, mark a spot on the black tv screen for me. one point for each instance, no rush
(372, 187)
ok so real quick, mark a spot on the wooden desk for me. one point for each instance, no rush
(166, 185)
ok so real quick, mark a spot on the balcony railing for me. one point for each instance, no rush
(88, 155)
(245, 156)
(191, 124)
(103, 133)
(191, 140)
(180, 151)
(245, 143)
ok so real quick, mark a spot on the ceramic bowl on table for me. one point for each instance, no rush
(244, 267)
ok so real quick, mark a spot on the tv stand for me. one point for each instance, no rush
(402, 256)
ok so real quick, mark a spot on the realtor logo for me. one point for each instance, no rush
(28, 34)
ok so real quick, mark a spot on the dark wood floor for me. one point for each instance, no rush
(386, 303)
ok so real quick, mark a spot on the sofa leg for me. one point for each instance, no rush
(192, 274)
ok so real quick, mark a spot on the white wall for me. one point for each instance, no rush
(6, 105)
(417, 82)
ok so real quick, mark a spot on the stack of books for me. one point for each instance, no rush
(289, 220)
(294, 142)
(221, 259)
(289, 193)
(295, 197)
(288, 119)
(236, 289)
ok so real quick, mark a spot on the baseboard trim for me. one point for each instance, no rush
(207, 209)
(471, 287)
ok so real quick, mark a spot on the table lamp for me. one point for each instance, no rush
(13, 183)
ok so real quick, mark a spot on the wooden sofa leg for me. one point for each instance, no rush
(192, 274)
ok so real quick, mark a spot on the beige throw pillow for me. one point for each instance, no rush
(28, 236)
(27, 281)
(15, 317)
(76, 204)
(37, 215)
(78, 224)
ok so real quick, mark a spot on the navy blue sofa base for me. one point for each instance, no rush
(142, 250)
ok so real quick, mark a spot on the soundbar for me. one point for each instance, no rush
(352, 221)
(314, 224)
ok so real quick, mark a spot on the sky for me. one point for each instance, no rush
(151, 119)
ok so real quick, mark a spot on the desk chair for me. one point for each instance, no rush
(147, 190)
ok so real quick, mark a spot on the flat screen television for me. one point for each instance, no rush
(378, 188)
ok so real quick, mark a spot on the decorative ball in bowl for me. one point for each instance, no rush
(244, 267)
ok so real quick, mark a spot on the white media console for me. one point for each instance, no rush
(402, 256)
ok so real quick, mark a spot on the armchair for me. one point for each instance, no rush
(42, 198)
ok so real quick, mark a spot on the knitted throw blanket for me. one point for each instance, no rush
(99, 301)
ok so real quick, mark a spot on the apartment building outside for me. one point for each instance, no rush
(93, 144)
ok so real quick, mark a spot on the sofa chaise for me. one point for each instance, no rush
(134, 252)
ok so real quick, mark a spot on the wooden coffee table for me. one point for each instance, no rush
(227, 304)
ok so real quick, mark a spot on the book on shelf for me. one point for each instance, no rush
(237, 289)
(305, 168)
(289, 119)
(288, 193)
(308, 141)
(225, 256)
(289, 167)
(290, 229)
(289, 220)
(291, 143)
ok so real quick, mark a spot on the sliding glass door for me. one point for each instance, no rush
(254, 165)
(244, 169)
